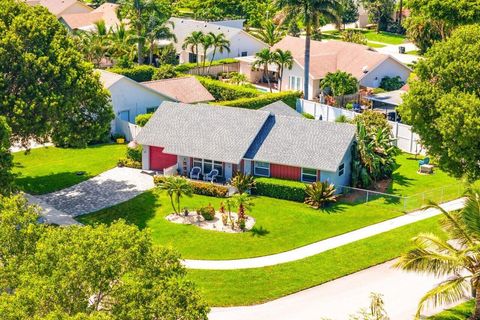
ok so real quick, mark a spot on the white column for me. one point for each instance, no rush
(228, 171)
(247, 167)
(145, 157)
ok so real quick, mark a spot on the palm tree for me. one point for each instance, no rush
(121, 43)
(207, 43)
(193, 41)
(244, 203)
(176, 188)
(269, 33)
(156, 29)
(95, 45)
(310, 11)
(220, 44)
(283, 59)
(262, 59)
(456, 257)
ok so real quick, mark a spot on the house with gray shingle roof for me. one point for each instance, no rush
(257, 142)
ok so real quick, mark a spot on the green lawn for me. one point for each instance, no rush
(252, 286)
(414, 52)
(461, 312)
(281, 225)
(375, 45)
(45, 170)
(371, 35)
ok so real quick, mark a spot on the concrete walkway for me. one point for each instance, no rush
(105, 190)
(392, 49)
(324, 245)
(340, 298)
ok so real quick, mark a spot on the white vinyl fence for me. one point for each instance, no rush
(129, 130)
(406, 139)
(215, 70)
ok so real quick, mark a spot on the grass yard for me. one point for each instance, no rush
(252, 286)
(281, 225)
(461, 312)
(45, 170)
(372, 36)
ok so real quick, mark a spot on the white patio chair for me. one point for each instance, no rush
(195, 173)
(212, 176)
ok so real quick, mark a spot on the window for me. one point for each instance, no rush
(261, 169)
(124, 115)
(294, 83)
(197, 162)
(152, 109)
(192, 57)
(309, 175)
(244, 53)
(341, 170)
(208, 165)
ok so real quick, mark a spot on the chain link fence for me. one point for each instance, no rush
(405, 204)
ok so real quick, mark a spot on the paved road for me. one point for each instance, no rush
(324, 245)
(340, 298)
(105, 190)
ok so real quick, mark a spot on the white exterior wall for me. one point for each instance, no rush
(238, 44)
(390, 68)
(131, 96)
(145, 157)
(297, 71)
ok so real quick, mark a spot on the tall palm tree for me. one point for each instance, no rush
(156, 29)
(269, 33)
(193, 41)
(176, 188)
(456, 258)
(244, 203)
(207, 43)
(262, 59)
(283, 59)
(121, 42)
(220, 44)
(310, 11)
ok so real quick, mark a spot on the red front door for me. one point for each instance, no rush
(160, 160)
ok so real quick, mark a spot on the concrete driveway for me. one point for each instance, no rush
(105, 190)
(338, 299)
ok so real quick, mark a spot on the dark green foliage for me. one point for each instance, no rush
(349, 11)
(166, 71)
(320, 194)
(208, 212)
(137, 73)
(142, 119)
(379, 12)
(209, 189)
(289, 97)
(443, 103)
(135, 154)
(293, 28)
(224, 91)
(167, 55)
(339, 83)
(280, 189)
(390, 84)
(47, 89)
(6, 159)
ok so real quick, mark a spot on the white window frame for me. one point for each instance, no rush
(309, 175)
(197, 162)
(341, 169)
(295, 83)
(261, 165)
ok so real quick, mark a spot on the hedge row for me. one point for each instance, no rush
(289, 97)
(280, 189)
(226, 91)
(137, 73)
(201, 188)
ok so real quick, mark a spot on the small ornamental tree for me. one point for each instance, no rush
(340, 83)
(176, 188)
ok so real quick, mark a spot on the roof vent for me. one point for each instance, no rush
(365, 69)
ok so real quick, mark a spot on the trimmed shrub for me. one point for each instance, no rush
(137, 73)
(280, 189)
(157, 180)
(209, 189)
(208, 212)
(390, 84)
(226, 91)
(125, 162)
(289, 97)
(142, 119)
(135, 154)
(166, 71)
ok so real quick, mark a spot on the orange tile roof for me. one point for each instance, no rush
(185, 89)
(330, 56)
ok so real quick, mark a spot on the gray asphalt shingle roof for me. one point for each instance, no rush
(282, 109)
(301, 142)
(203, 131)
(230, 134)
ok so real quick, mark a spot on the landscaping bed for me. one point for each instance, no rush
(215, 224)
(50, 169)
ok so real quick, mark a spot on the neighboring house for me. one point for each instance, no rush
(280, 108)
(107, 12)
(367, 65)
(256, 142)
(62, 7)
(130, 98)
(183, 89)
(241, 42)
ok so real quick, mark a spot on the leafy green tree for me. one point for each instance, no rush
(122, 46)
(157, 27)
(443, 102)
(176, 188)
(283, 59)
(391, 83)
(193, 42)
(454, 258)
(146, 17)
(379, 12)
(46, 88)
(349, 11)
(269, 33)
(339, 83)
(263, 59)
(6, 159)
(112, 270)
(310, 11)
(354, 36)
(422, 32)
(167, 55)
